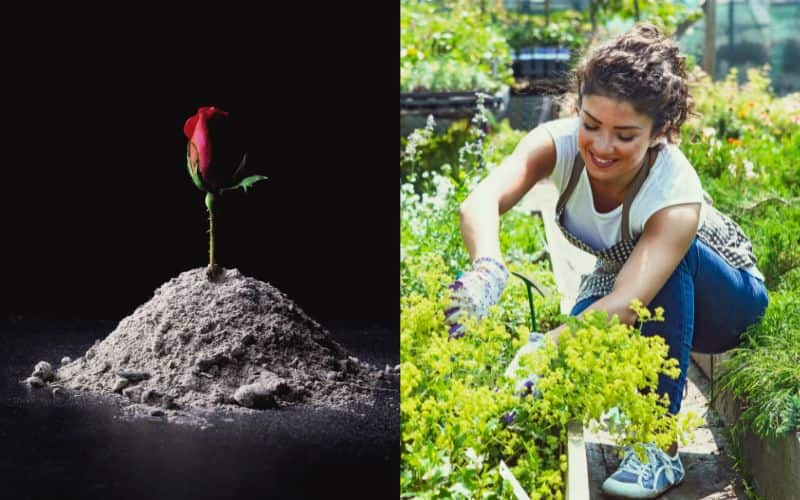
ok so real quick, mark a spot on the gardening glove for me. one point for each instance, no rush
(525, 385)
(474, 292)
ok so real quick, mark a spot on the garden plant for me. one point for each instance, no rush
(460, 416)
(215, 160)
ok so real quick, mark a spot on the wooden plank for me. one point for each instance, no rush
(519, 491)
(569, 262)
(577, 467)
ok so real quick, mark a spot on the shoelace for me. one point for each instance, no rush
(632, 464)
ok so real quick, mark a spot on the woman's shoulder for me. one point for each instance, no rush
(670, 166)
(672, 180)
(561, 127)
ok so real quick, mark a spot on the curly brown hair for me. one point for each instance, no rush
(641, 67)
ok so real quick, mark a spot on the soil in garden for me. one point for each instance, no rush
(553, 86)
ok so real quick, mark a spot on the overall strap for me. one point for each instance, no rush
(633, 190)
(577, 168)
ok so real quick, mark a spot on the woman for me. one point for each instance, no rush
(630, 197)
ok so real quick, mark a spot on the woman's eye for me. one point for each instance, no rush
(624, 139)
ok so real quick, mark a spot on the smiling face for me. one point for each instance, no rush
(613, 139)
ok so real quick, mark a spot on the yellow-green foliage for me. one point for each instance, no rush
(601, 363)
(460, 416)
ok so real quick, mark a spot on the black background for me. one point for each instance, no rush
(98, 209)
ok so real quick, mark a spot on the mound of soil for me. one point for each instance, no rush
(230, 342)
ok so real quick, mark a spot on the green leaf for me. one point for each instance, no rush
(461, 489)
(194, 172)
(245, 183)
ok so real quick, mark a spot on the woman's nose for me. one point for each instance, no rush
(603, 146)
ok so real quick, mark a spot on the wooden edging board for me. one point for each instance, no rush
(577, 467)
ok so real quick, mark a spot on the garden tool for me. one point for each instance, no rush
(535, 338)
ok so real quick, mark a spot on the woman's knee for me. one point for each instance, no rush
(761, 300)
(690, 259)
(582, 305)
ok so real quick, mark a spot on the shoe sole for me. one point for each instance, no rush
(609, 495)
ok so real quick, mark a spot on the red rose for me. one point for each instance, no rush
(215, 160)
(214, 154)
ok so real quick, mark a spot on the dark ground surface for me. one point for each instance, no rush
(80, 448)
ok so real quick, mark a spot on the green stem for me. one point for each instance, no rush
(210, 207)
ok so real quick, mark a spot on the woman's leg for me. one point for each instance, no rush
(583, 304)
(726, 301)
(707, 305)
(677, 299)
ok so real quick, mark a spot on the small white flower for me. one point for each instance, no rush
(418, 138)
(709, 132)
(748, 170)
(430, 123)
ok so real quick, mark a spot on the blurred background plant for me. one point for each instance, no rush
(451, 46)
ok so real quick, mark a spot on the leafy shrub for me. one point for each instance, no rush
(565, 29)
(745, 146)
(763, 370)
(451, 48)
(440, 152)
(460, 417)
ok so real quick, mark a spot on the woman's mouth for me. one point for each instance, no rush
(601, 163)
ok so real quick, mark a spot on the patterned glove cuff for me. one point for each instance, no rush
(496, 267)
(494, 274)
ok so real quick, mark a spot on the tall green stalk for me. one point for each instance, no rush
(210, 206)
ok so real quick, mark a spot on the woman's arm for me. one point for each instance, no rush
(532, 160)
(667, 236)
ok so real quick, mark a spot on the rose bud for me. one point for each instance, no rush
(215, 156)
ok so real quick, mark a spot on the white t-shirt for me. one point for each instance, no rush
(672, 181)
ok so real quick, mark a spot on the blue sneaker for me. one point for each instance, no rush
(635, 479)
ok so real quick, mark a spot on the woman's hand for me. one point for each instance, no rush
(474, 292)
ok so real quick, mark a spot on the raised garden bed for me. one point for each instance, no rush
(447, 107)
(772, 463)
(577, 479)
(577, 466)
(540, 62)
(457, 104)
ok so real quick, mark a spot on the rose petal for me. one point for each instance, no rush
(188, 127)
